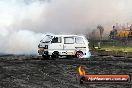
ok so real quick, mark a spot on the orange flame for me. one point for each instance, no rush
(81, 71)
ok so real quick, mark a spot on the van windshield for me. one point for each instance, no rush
(47, 39)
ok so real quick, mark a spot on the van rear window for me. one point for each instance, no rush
(79, 40)
(68, 40)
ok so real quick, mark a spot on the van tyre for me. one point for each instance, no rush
(79, 54)
(55, 55)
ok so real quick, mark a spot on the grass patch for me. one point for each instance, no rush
(117, 48)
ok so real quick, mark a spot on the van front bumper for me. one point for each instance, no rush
(42, 51)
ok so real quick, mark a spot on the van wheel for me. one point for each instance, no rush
(79, 54)
(55, 55)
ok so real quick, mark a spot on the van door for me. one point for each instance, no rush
(56, 44)
(69, 46)
(80, 44)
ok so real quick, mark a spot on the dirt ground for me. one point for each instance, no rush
(30, 72)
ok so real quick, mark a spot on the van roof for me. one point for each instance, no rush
(68, 35)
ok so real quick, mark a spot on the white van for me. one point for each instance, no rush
(63, 45)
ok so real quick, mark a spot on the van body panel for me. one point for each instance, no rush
(64, 44)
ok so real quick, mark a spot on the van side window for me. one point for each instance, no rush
(56, 40)
(79, 40)
(68, 40)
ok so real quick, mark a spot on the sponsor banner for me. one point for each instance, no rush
(106, 78)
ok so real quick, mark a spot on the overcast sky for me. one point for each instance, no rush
(63, 15)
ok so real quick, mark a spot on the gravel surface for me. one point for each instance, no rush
(30, 72)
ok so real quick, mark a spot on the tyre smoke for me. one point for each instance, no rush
(24, 22)
(20, 42)
(15, 37)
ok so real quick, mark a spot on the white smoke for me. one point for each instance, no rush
(19, 18)
(13, 38)
(63, 15)
(20, 42)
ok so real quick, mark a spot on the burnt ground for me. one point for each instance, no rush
(30, 72)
